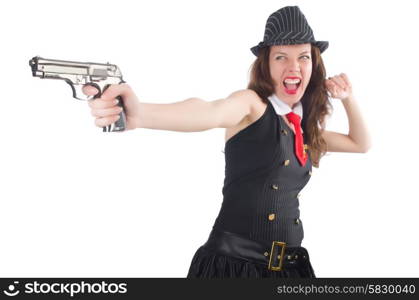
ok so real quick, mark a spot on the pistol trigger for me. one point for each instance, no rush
(106, 87)
(78, 92)
(96, 86)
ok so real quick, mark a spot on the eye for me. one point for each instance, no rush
(308, 57)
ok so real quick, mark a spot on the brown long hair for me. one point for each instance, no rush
(315, 101)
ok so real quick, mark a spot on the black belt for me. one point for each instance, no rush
(276, 254)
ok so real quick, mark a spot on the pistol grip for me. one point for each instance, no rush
(120, 124)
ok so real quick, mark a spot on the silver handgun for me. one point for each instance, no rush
(78, 74)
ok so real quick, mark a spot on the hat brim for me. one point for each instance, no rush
(322, 45)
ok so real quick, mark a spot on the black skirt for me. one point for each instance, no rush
(228, 255)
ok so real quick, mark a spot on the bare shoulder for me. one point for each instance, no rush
(256, 111)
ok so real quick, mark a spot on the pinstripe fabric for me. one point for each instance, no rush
(258, 183)
(288, 26)
(283, 202)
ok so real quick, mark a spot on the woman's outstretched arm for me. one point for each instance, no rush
(192, 114)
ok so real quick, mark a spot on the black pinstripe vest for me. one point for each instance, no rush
(262, 182)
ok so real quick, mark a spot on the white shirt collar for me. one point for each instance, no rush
(283, 108)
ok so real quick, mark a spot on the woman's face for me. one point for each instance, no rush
(290, 61)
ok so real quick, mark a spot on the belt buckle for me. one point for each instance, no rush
(270, 266)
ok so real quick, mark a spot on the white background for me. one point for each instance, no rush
(75, 201)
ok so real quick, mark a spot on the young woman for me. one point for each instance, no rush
(275, 133)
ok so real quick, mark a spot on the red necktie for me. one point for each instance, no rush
(299, 146)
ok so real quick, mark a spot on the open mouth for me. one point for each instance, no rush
(291, 87)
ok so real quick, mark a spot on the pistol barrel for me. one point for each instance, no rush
(53, 68)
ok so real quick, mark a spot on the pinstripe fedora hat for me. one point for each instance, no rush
(288, 26)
